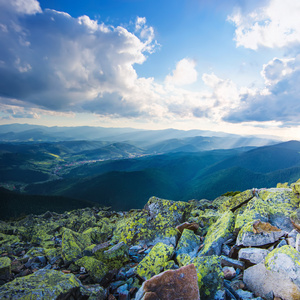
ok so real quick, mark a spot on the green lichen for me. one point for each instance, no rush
(280, 200)
(5, 266)
(235, 201)
(282, 185)
(52, 252)
(34, 252)
(7, 239)
(209, 273)
(155, 261)
(255, 209)
(188, 243)
(73, 244)
(169, 265)
(204, 218)
(95, 268)
(43, 284)
(296, 187)
(271, 261)
(95, 235)
(218, 233)
(157, 222)
(183, 259)
(114, 257)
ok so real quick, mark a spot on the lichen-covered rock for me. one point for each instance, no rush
(217, 234)
(258, 234)
(7, 240)
(172, 284)
(155, 223)
(188, 243)
(95, 235)
(157, 206)
(232, 203)
(43, 284)
(114, 257)
(209, 273)
(256, 209)
(155, 261)
(34, 252)
(73, 244)
(278, 275)
(94, 292)
(204, 218)
(282, 185)
(296, 187)
(282, 203)
(285, 260)
(5, 267)
(95, 268)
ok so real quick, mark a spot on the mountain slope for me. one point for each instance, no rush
(123, 190)
(264, 159)
(14, 205)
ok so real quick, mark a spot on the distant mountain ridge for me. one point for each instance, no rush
(123, 167)
(178, 176)
(140, 138)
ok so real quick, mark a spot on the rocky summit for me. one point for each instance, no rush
(244, 246)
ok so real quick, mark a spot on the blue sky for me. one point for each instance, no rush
(229, 66)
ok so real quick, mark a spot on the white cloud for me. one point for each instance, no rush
(275, 25)
(146, 33)
(185, 73)
(20, 6)
(278, 101)
(52, 63)
(70, 62)
(275, 70)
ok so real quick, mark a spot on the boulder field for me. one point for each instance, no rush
(244, 246)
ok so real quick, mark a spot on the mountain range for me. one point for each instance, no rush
(123, 174)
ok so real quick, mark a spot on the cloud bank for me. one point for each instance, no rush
(276, 24)
(52, 63)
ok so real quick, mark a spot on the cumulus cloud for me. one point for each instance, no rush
(10, 112)
(22, 7)
(185, 73)
(279, 101)
(52, 63)
(276, 24)
(146, 34)
(60, 63)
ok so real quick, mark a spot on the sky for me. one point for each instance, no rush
(231, 66)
